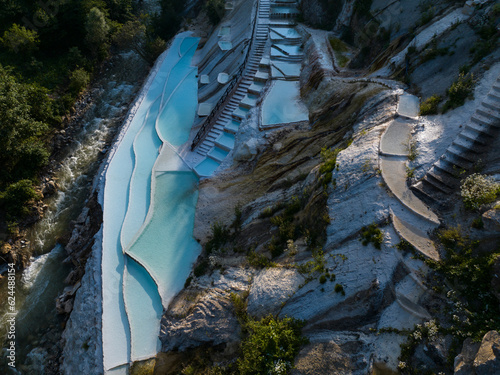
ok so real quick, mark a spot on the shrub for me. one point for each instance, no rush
(271, 346)
(201, 268)
(459, 91)
(372, 234)
(477, 190)
(258, 260)
(477, 223)
(339, 289)
(338, 45)
(322, 279)
(79, 79)
(220, 235)
(430, 105)
(16, 197)
(20, 39)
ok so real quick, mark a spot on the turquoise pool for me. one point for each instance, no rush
(127, 329)
(166, 242)
(282, 104)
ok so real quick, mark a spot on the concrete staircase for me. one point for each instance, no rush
(220, 139)
(465, 151)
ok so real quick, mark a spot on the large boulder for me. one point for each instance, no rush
(487, 359)
(479, 358)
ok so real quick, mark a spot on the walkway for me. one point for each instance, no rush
(394, 151)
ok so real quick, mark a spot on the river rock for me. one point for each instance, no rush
(49, 188)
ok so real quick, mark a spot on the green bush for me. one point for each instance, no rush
(430, 105)
(477, 190)
(271, 346)
(468, 270)
(258, 260)
(220, 235)
(79, 79)
(16, 198)
(372, 234)
(322, 279)
(201, 268)
(459, 91)
(339, 289)
(19, 39)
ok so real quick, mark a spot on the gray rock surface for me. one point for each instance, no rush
(271, 288)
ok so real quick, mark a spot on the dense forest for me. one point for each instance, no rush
(49, 53)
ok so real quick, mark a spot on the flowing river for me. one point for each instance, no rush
(38, 327)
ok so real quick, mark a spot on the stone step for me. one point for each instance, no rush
(490, 113)
(456, 161)
(478, 118)
(485, 132)
(491, 104)
(445, 169)
(460, 153)
(444, 184)
(467, 144)
(472, 136)
(434, 183)
(494, 95)
(464, 146)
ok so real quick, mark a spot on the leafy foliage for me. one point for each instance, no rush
(477, 190)
(20, 39)
(459, 91)
(430, 105)
(271, 346)
(372, 234)
(17, 196)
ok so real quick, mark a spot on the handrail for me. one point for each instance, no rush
(207, 124)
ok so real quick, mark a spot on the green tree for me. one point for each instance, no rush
(79, 79)
(16, 198)
(20, 130)
(97, 30)
(20, 39)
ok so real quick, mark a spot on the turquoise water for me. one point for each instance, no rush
(218, 153)
(206, 167)
(282, 104)
(128, 177)
(166, 242)
(146, 145)
(286, 10)
(141, 287)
